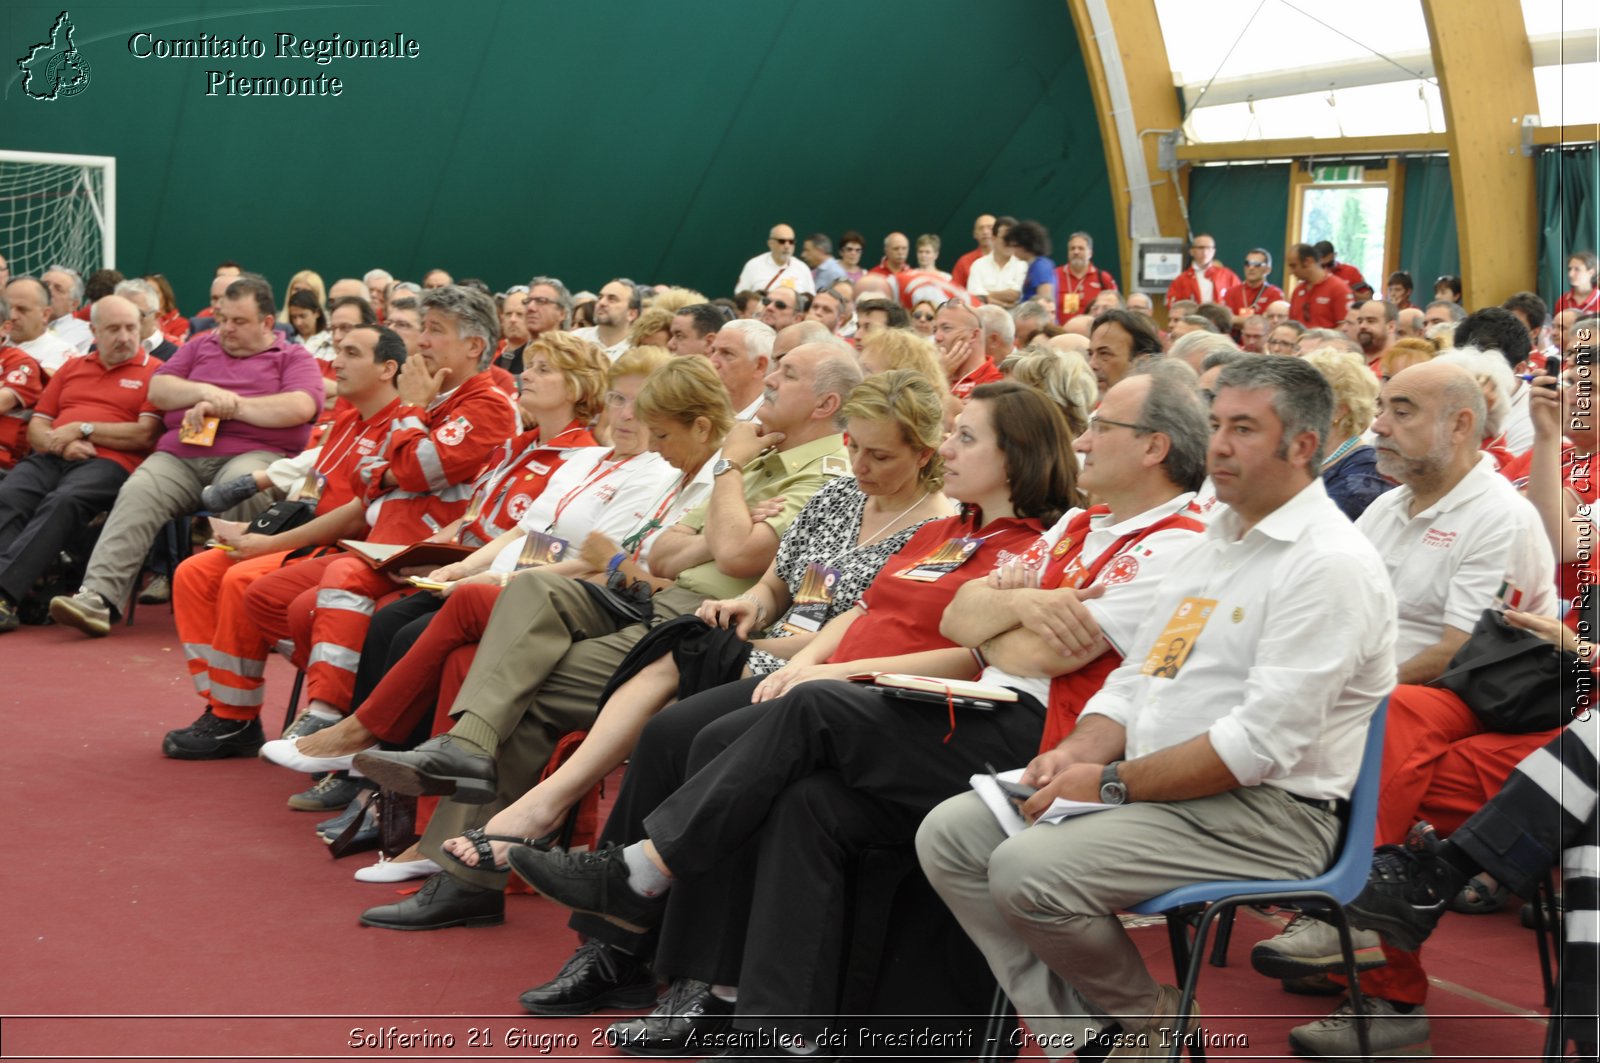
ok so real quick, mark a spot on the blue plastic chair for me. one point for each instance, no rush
(1328, 892)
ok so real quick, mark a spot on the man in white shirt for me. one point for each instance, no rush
(1455, 537)
(66, 295)
(143, 295)
(741, 353)
(617, 308)
(1496, 329)
(1238, 714)
(998, 276)
(30, 325)
(777, 267)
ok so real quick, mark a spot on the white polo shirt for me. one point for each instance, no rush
(592, 493)
(1518, 425)
(49, 350)
(986, 276)
(763, 273)
(1290, 662)
(1447, 563)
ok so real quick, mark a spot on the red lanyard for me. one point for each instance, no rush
(594, 478)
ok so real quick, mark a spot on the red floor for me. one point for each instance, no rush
(165, 910)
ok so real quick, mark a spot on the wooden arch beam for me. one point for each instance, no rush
(1485, 68)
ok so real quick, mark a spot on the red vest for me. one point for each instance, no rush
(1071, 691)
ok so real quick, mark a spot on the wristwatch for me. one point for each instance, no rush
(87, 428)
(723, 465)
(1112, 789)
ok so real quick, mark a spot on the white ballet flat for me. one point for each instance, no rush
(286, 752)
(397, 870)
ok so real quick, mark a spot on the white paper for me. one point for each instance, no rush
(1006, 814)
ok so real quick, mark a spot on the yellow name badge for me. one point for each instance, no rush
(1177, 639)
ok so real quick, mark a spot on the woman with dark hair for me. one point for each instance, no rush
(1030, 242)
(1583, 296)
(310, 324)
(851, 244)
(174, 326)
(802, 739)
(1448, 287)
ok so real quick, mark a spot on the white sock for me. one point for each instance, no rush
(728, 994)
(644, 877)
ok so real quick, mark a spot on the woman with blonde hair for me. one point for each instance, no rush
(1064, 377)
(305, 281)
(826, 560)
(898, 348)
(652, 328)
(1407, 352)
(1349, 464)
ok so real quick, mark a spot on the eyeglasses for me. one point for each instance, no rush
(1095, 421)
(1280, 345)
(540, 300)
(1255, 263)
(616, 399)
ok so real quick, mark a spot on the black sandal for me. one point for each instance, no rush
(480, 842)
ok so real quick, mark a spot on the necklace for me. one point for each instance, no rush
(869, 540)
(1344, 448)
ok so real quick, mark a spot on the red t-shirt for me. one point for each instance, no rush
(1321, 305)
(1244, 300)
(1185, 286)
(1350, 275)
(986, 372)
(1074, 295)
(963, 266)
(1570, 301)
(85, 390)
(902, 614)
(20, 375)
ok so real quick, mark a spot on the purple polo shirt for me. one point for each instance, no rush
(281, 368)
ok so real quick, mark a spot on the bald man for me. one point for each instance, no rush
(777, 267)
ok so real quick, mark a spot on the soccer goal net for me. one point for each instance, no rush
(57, 210)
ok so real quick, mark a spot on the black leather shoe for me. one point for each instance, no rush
(443, 901)
(597, 976)
(439, 767)
(689, 1010)
(596, 883)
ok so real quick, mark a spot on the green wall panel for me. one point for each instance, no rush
(657, 141)
(1242, 207)
(1429, 247)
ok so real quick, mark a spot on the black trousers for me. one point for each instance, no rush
(43, 502)
(779, 798)
(656, 768)
(395, 629)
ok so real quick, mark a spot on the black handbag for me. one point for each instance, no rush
(281, 516)
(1510, 678)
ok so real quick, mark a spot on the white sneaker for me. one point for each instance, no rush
(86, 611)
(1309, 946)
(1391, 1033)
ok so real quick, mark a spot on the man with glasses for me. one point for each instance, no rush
(1257, 293)
(1206, 280)
(776, 267)
(782, 307)
(1284, 339)
(958, 333)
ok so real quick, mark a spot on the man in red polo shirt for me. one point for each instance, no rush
(1320, 300)
(1206, 280)
(21, 384)
(896, 257)
(1252, 297)
(1080, 281)
(958, 333)
(89, 429)
(983, 236)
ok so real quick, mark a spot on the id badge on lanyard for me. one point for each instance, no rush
(311, 488)
(540, 548)
(942, 560)
(813, 600)
(1177, 639)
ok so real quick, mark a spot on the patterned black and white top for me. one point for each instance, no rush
(826, 532)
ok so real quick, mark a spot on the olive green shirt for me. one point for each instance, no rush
(796, 474)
